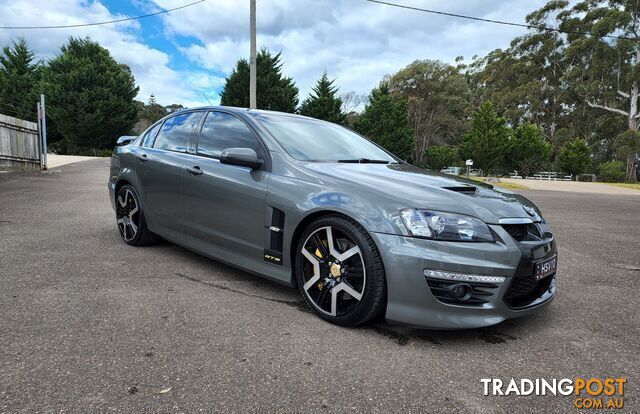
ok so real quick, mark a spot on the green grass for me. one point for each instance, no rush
(512, 186)
(634, 186)
(508, 186)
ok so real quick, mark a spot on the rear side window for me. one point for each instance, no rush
(222, 131)
(147, 141)
(175, 132)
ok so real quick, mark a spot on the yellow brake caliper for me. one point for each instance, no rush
(319, 254)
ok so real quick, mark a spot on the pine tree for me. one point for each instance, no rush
(18, 77)
(153, 111)
(487, 141)
(528, 149)
(324, 102)
(274, 91)
(385, 122)
(90, 96)
(575, 157)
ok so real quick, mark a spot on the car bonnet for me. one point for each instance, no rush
(405, 186)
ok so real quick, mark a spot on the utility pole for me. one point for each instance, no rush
(252, 62)
(43, 122)
(39, 120)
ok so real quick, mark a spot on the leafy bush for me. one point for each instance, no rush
(440, 156)
(612, 171)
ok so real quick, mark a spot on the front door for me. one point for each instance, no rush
(160, 164)
(225, 204)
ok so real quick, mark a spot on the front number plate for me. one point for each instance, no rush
(546, 267)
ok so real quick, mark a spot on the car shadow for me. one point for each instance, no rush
(403, 336)
(502, 333)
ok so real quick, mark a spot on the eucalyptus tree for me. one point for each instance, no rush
(437, 99)
(605, 70)
(525, 82)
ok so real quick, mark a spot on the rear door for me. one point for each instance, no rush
(225, 204)
(160, 164)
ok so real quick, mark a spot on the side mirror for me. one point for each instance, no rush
(125, 140)
(245, 157)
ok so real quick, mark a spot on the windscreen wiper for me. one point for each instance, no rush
(365, 161)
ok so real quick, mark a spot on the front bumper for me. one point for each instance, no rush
(411, 300)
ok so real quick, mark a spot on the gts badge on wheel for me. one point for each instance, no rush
(273, 257)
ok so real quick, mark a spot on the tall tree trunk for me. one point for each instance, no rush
(633, 107)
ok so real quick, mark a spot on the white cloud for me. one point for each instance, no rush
(151, 67)
(220, 56)
(356, 41)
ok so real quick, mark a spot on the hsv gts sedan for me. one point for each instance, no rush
(314, 205)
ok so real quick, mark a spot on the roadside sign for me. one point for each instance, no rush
(469, 162)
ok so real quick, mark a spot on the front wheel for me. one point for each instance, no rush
(130, 218)
(340, 272)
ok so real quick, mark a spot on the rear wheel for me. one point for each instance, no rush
(339, 271)
(130, 218)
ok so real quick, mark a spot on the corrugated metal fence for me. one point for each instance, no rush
(19, 143)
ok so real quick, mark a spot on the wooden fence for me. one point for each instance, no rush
(19, 143)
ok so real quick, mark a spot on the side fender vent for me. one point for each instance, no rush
(273, 253)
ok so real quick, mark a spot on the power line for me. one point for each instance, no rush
(124, 19)
(480, 19)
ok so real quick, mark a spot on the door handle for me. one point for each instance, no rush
(142, 157)
(195, 170)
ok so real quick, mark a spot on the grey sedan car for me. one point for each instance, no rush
(314, 205)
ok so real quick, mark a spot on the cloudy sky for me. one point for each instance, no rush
(184, 56)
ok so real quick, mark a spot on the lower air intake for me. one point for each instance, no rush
(481, 293)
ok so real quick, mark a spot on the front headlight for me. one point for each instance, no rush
(445, 226)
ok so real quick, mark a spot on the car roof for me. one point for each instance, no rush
(234, 109)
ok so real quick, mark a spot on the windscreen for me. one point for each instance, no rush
(311, 140)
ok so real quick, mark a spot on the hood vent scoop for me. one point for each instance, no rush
(465, 189)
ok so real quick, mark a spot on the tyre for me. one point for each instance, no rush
(130, 218)
(340, 272)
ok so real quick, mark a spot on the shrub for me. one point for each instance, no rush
(612, 171)
(440, 156)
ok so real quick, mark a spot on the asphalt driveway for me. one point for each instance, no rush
(90, 324)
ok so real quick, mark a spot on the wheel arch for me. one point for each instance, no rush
(120, 183)
(302, 226)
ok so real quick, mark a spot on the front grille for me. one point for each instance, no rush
(523, 232)
(525, 289)
(481, 293)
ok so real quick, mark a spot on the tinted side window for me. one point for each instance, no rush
(175, 132)
(222, 131)
(147, 141)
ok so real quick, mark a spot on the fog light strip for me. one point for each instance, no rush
(463, 277)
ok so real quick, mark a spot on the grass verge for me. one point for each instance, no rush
(634, 186)
(503, 184)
